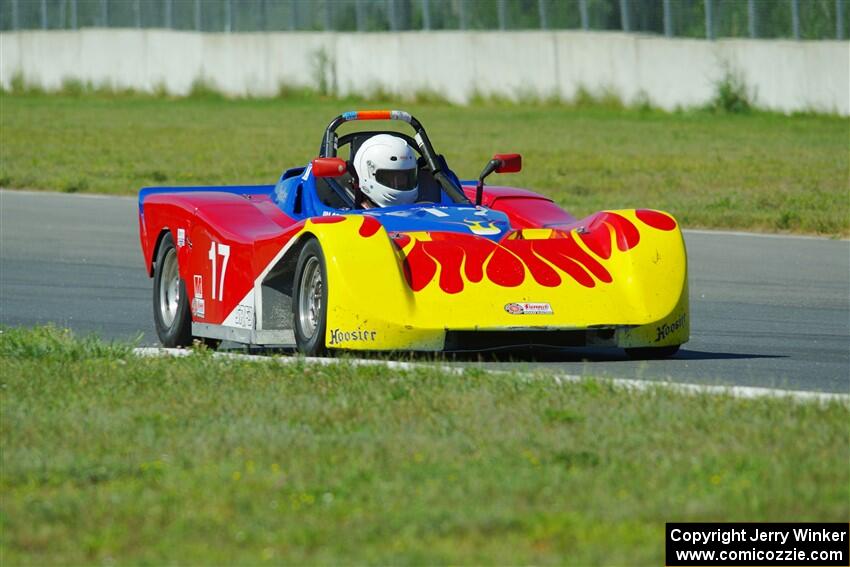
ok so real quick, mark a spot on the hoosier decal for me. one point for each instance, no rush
(667, 329)
(338, 336)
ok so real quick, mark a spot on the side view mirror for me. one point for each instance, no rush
(511, 163)
(328, 167)
(501, 163)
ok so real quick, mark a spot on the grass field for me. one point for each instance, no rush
(111, 459)
(755, 171)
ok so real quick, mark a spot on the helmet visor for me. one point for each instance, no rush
(400, 179)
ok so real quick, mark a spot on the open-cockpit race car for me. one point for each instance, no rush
(314, 262)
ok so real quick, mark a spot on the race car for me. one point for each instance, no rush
(313, 262)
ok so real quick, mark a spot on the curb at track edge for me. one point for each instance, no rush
(744, 392)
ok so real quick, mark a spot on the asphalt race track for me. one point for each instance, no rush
(769, 311)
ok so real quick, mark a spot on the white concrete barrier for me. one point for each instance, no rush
(782, 75)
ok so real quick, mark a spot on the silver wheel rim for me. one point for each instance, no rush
(310, 298)
(169, 288)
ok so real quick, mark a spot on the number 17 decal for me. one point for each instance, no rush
(223, 251)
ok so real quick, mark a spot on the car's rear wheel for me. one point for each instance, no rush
(310, 300)
(170, 303)
(652, 353)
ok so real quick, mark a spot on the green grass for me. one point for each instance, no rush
(757, 170)
(108, 458)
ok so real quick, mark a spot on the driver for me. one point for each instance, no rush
(386, 166)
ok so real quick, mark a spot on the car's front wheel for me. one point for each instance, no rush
(310, 300)
(170, 304)
(652, 353)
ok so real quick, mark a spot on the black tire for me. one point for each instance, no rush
(170, 302)
(652, 353)
(309, 312)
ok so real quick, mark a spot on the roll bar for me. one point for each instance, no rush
(329, 142)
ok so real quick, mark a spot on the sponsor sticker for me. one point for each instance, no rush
(198, 307)
(243, 316)
(199, 286)
(181, 237)
(529, 308)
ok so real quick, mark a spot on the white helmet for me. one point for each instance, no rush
(386, 166)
